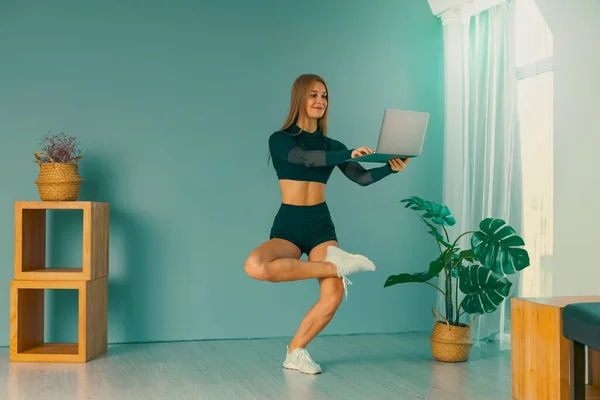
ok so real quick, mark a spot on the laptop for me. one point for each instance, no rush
(402, 136)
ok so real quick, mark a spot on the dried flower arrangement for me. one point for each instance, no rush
(59, 178)
(60, 147)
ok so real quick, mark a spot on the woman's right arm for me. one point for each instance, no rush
(282, 146)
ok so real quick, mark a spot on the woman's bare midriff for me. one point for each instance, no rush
(302, 193)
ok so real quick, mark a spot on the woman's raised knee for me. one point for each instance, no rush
(256, 268)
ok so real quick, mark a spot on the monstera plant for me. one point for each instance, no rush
(479, 272)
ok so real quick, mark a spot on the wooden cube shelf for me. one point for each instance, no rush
(27, 321)
(30, 241)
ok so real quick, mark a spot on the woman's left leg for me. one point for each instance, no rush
(317, 318)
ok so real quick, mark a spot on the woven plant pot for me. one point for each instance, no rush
(450, 343)
(58, 181)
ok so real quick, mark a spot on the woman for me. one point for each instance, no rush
(304, 158)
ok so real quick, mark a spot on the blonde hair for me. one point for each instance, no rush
(300, 92)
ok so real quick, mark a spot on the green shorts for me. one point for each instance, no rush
(304, 226)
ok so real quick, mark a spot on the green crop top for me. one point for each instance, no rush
(303, 156)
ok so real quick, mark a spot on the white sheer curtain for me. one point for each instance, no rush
(535, 91)
(482, 174)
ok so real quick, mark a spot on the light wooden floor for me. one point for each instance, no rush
(395, 366)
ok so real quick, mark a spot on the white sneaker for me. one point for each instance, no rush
(300, 360)
(348, 264)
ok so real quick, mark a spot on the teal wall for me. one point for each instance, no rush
(173, 103)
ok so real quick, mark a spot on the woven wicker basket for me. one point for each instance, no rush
(58, 181)
(450, 343)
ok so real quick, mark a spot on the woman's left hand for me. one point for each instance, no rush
(399, 164)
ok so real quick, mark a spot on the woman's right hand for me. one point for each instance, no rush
(361, 151)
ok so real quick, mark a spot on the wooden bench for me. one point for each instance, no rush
(540, 351)
(581, 325)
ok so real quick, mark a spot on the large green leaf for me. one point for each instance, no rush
(468, 255)
(433, 231)
(456, 271)
(435, 267)
(484, 289)
(497, 246)
(438, 213)
(407, 278)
